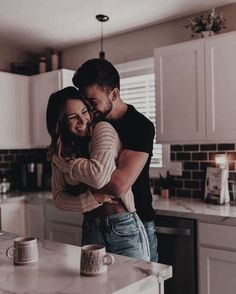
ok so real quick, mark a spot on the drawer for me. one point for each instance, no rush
(53, 214)
(217, 235)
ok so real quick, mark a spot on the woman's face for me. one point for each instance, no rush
(77, 117)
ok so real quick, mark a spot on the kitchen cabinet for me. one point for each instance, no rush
(217, 258)
(42, 86)
(195, 90)
(14, 118)
(63, 233)
(13, 217)
(179, 71)
(63, 226)
(220, 60)
(34, 220)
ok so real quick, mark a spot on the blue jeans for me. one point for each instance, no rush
(152, 238)
(121, 233)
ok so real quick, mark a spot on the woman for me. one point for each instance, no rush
(110, 221)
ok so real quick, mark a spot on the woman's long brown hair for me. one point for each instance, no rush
(62, 142)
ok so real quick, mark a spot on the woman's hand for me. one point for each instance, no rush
(105, 198)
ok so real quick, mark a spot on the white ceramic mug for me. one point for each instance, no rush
(24, 251)
(94, 260)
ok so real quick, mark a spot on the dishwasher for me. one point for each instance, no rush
(177, 246)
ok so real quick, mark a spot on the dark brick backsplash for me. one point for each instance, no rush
(206, 147)
(11, 160)
(191, 147)
(176, 148)
(226, 147)
(196, 158)
(199, 156)
(183, 156)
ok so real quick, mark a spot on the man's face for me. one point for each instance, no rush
(100, 99)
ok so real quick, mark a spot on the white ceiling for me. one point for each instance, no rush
(38, 24)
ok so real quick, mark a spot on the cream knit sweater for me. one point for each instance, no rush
(96, 172)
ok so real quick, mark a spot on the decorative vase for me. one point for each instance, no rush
(205, 34)
(165, 193)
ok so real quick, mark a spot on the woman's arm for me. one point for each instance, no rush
(83, 202)
(96, 171)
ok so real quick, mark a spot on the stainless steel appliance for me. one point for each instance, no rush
(32, 176)
(177, 246)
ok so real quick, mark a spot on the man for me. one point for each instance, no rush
(100, 82)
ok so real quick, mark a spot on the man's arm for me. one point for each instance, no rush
(130, 165)
(137, 148)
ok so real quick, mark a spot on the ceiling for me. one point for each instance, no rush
(34, 25)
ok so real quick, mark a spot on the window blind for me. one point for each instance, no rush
(139, 91)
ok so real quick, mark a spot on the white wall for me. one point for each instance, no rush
(121, 48)
(140, 43)
(10, 54)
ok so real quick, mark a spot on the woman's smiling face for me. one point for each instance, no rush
(77, 117)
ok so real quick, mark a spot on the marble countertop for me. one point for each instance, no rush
(174, 206)
(36, 197)
(195, 209)
(58, 271)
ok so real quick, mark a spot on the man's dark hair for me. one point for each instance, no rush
(98, 72)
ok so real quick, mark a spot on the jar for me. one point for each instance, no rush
(42, 64)
(4, 186)
(54, 60)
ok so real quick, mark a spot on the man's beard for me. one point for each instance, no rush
(98, 115)
(101, 115)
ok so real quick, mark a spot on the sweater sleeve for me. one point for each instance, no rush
(83, 202)
(95, 171)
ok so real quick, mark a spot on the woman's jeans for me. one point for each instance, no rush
(121, 233)
(150, 228)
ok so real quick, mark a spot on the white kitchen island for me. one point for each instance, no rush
(58, 271)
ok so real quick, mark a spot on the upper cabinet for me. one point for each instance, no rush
(42, 86)
(23, 107)
(14, 118)
(220, 60)
(195, 90)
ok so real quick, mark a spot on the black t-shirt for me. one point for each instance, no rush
(136, 133)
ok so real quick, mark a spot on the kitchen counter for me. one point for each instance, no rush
(195, 209)
(174, 206)
(58, 271)
(29, 197)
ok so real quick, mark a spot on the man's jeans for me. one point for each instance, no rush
(152, 237)
(121, 233)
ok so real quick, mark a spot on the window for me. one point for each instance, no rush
(138, 88)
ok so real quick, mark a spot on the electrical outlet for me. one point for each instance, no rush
(176, 168)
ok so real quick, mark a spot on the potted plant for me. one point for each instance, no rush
(165, 184)
(209, 24)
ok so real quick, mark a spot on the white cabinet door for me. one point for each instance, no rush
(42, 86)
(180, 92)
(14, 118)
(221, 87)
(63, 233)
(34, 220)
(217, 271)
(63, 226)
(13, 217)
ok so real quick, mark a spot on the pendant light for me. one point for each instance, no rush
(102, 18)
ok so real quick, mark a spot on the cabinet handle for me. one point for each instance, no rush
(173, 231)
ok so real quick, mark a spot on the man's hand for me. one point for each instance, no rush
(105, 198)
